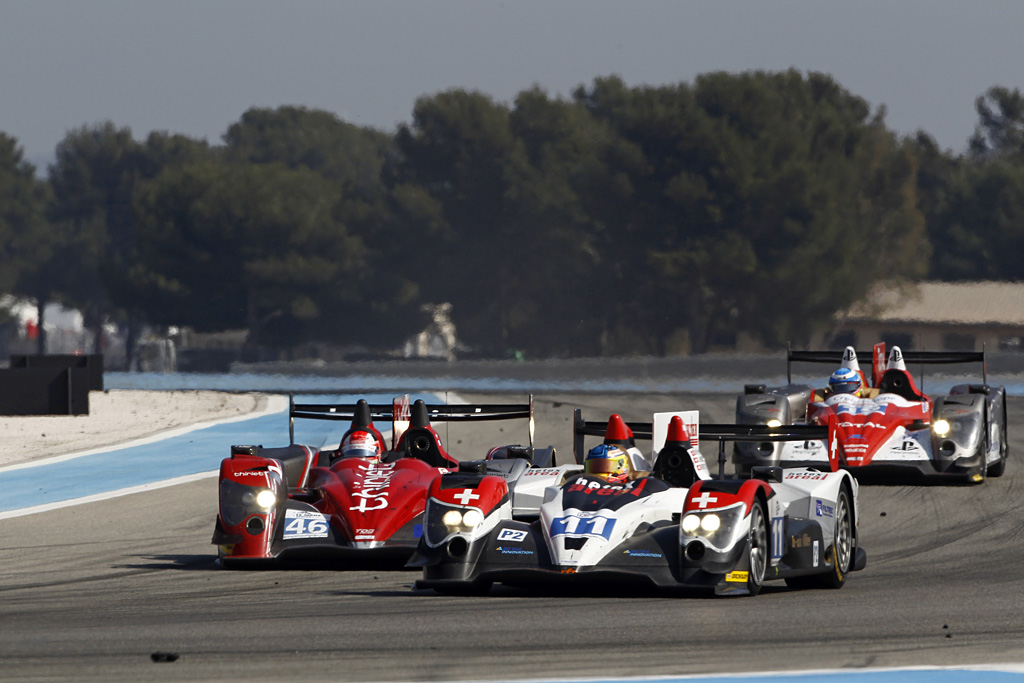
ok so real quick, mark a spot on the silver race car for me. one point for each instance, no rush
(888, 430)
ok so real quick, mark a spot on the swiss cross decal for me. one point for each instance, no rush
(704, 498)
(466, 496)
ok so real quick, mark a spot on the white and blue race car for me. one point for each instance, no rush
(674, 527)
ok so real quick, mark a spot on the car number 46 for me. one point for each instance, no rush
(302, 524)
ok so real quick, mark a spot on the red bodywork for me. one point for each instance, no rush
(485, 495)
(370, 501)
(698, 499)
(862, 428)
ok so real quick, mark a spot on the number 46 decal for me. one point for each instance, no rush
(304, 524)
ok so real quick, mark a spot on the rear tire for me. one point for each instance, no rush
(841, 551)
(996, 469)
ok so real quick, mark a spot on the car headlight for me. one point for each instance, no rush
(940, 427)
(457, 520)
(266, 499)
(238, 501)
(443, 520)
(774, 423)
(717, 527)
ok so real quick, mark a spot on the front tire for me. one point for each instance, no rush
(842, 545)
(758, 550)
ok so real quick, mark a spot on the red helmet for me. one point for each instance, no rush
(360, 444)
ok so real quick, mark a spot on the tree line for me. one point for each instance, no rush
(618, 220)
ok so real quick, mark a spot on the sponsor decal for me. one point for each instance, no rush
(802, 541)
(304, 524)
(815, 553)
(372, 491)
(866, 425)
(516, 535)
(641, 553)
(577, 525)
(821, 509)
(806, 476)
(596, 487)
(513, 551)
(249, 473)
(737, 577)
(541, 473)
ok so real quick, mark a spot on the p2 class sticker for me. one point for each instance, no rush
(514, 535)
(304, 524)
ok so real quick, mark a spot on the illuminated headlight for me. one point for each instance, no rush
(266, 499)
(709, 523)
(238, 501)
(774, 423)
(717, 527)
(443, 520)
(457, 520)
(940, 427)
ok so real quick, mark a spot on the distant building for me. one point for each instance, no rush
(438, 340)
(934, 316)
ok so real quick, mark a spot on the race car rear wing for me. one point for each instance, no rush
(398, 413)
(878, 356)
(713, 432)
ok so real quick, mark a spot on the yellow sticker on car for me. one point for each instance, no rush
(737, 577)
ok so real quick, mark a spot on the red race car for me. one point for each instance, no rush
(360, 502)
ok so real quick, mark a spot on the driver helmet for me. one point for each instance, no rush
(360, 444)
(845, 381)
(608, 462)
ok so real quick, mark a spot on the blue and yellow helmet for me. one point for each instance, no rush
(609, 462)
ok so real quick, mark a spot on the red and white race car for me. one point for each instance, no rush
(887, 429)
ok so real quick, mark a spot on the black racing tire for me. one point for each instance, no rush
(996, 469)
(758, 548)
(841, 552)
(843, 547)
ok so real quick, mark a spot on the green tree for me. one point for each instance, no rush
(462, 151)
(27, 243)
(765, 202)
(1000, 129)
(254, 246)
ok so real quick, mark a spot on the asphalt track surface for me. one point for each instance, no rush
(97, 591)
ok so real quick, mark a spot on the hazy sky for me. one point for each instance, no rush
(195, 66)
